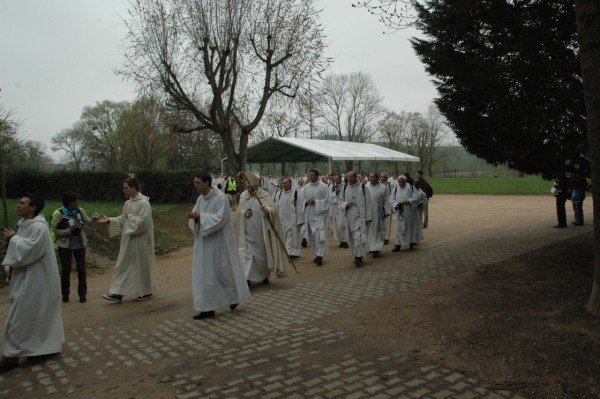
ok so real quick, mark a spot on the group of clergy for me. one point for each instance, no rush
(358, 211)
(227, 260)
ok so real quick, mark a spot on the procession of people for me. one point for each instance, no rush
(276, 217)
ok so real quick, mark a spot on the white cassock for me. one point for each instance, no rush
(291, 216)
(356, 216)
(388, 220)
(333, 210)
(217, 274)
(408, 226)
(316, 216)
(380, 210)
(34, 322)
(259, 249)
(134, 270)
(341, 225)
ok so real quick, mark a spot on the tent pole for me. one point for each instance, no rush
(330, 170)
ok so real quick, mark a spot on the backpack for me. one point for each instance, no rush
(427, 189)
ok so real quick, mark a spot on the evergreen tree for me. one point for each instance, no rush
(509, 80)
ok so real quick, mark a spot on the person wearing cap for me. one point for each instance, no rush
(258, 228)
(316, 199)
(404, 201)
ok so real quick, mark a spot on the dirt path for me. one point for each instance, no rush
(296, 336)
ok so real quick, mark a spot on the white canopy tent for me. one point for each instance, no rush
(287, 149)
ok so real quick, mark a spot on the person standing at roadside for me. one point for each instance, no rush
(217, 274)
(561, 193)
(424, 205)
(67, 225)
(134, 269)
(34, 326)
(579, 185)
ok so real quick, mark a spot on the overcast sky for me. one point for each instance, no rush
(58, 56)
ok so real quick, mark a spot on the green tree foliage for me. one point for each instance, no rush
(509, 80)
(144, 135)
(102, 137)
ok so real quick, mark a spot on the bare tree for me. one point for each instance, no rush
(234, 54)
(279, 121)
(72, 142)
(308, 108)
(436, 132)
(350, 107)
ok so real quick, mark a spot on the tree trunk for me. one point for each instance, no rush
(587, 14)
(349, 166)
(236, 163)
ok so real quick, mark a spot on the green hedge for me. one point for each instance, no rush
(161, 187)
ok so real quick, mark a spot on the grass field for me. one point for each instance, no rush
(170, 225)
(491, 186)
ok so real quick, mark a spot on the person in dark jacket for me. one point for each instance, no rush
(561, 193)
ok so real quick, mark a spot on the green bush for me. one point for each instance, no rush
(161, 187)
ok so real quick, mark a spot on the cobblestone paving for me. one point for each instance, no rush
(269, 344)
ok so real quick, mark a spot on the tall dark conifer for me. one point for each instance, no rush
(509, 80)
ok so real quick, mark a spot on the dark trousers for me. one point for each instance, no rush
(65, 255)
(561, 212)
(578, 209)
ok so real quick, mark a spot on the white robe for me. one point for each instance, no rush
(408, 226)
(217, 274)
(380, 210)
(289, 208)
(316, 216)
(388, 220)
(134, 270)
(341, 225)
(356, 216)
(34, 322)
(259, 249)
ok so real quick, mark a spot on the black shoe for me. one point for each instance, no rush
(358, 261)
(266, 281)
(143, 297)
(412, 246)
(294, 256)
(560, 226)
(341, 245)
(113, 297)
(344, 244)
(315, 259)
(396, 248)
(8, 365)
(41, 358)
(304, 243)
(205, 315)
(82, 300)
(233, 306)
(65, 299)
(376, 254)
(319, 260)
(386, 242)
